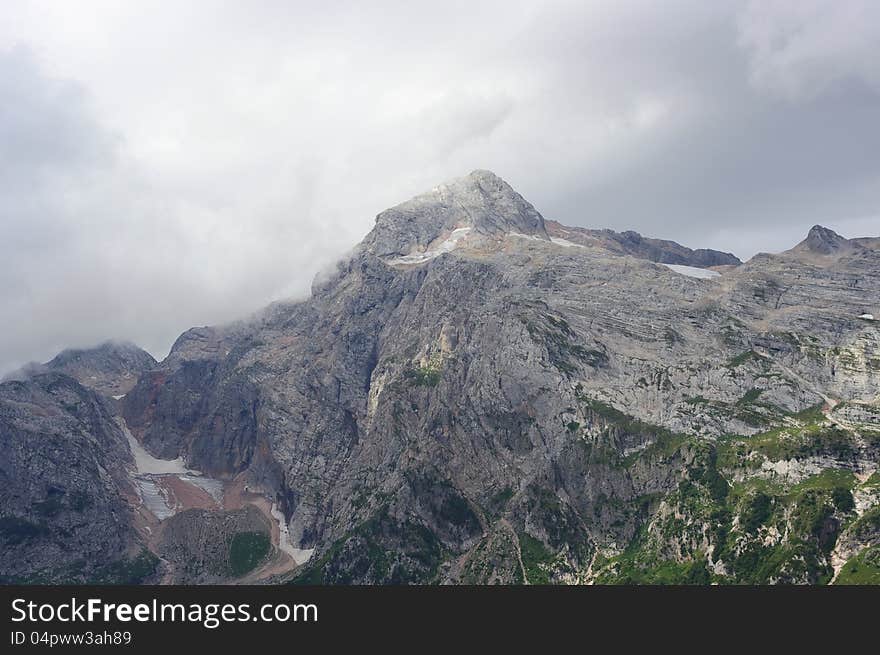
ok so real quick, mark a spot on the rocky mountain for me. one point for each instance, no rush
(634, 244)
(477, 395)
(65, 497)
(111, 368)
(823, 241)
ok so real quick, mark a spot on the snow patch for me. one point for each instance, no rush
(693, 271)
(447, 245)
(532, 237)
(146, 464)
(150, 471)
(299, 555)
(867, 317)
(119, 397)
(209, 485)
(565, 243)
(154, 498)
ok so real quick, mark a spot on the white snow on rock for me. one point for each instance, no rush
(299, 555)
(565, 243)
(867, 317)
(526, 236)
(146, 464)
(149, 471)
(693, 271)
(447, 245)
(154, 498)
(119, 397)
(209, 485)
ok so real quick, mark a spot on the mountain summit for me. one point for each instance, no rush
(824, 241)
(475, 396)
(111, 368)
(480, 202)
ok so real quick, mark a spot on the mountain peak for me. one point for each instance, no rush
(482, 174)
(111, 368)
(480, 201)
(823, 240)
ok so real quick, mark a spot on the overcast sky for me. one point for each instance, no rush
(169, 164)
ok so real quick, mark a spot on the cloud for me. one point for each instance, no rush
(166, 165)
(801, 49)
(94, 245)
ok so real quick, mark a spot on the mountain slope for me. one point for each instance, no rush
(436, 417)
(634, 244)
(65, 493)
(470, 397)
(111, 368)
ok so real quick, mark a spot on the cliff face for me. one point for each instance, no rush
(474, 396)
(65, 493)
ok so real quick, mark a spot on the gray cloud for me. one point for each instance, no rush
(800, 49)
(165, 166)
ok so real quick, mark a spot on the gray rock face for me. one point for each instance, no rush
(824, 241)
(196, 411)
(530, 403)
(634, 244)
(64, 513)
(481, 201)
(111, 368)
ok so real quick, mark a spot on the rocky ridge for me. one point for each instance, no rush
(111, 368)
(475, 396)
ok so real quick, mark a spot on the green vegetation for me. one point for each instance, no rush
(761, 528)
(782, 533)
(450, 509)
(424, 376)
(750, 396)
(868, 524)
(535, 558)
(127, 571)
(742, 358)
(760, 564)
(863, 569)
(664, 442)
(455, 510)
(843, 499)
(812, 435)
(642, 564)
(811, 415)
(835, 480)
(493, 557)
(560, 340)
(499, 501)
(383, 549)
(246, 551)
(756, 512)
(748, 409)
(809, 514)
(660, 572)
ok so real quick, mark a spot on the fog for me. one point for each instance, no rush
(163, 166)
